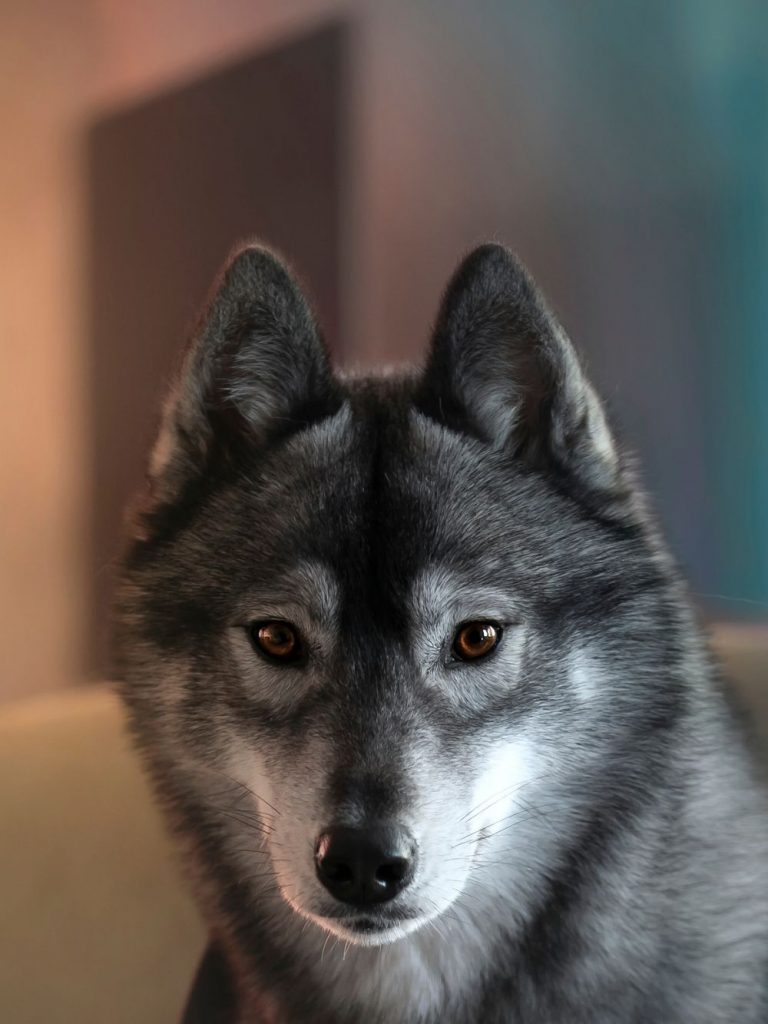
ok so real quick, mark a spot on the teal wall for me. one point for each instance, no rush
(686, 85)
(729, 69)
(649, 121)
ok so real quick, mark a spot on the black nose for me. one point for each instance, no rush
(364, 865)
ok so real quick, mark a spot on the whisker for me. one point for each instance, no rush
(491, 801)
(245, 822)
(242, 785)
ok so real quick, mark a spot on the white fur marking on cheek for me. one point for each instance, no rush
(495, 792)
(246, 767)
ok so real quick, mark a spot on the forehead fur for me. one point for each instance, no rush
(379, 494)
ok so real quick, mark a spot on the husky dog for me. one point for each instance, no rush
(421, 692)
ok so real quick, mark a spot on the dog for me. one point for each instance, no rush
(420, 690)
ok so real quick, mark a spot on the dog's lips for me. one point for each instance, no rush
(367, 926)
(381, 920)
(371, 931)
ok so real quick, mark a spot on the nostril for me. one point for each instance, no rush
(392, 872)
(336, 871)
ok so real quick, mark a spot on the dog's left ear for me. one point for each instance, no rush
(501, 368)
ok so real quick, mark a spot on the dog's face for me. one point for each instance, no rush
(374, 635)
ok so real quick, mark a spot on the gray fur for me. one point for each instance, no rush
(590, 820)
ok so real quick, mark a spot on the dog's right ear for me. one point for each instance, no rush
(256, 369)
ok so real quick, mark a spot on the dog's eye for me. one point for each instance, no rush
(279, 641)
(474, 640)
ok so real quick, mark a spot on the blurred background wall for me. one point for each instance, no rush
(621, 147)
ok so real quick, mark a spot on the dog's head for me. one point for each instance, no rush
(377, 637)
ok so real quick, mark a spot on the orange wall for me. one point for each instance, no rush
(61, 63)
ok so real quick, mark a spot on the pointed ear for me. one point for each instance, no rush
(501, 368)
(256, 368)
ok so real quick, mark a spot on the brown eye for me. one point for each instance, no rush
(279, 641)
(474, 640)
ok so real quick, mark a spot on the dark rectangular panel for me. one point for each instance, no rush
(254, 149)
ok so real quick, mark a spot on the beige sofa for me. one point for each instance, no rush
(95, 927)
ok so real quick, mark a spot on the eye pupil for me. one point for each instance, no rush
(476, 639)
(279, 641)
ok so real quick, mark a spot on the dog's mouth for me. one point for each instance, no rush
(368, 920)
(367, 927)
(373, 929)
(366, 931)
